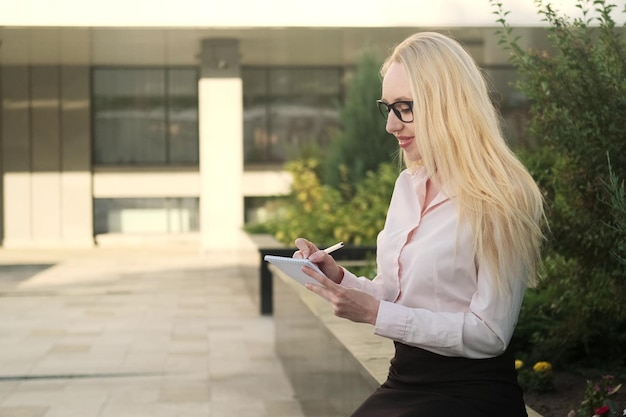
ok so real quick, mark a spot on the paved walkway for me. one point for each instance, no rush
(133, 333)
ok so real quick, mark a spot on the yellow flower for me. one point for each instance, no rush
(542, 367)
(518, 364)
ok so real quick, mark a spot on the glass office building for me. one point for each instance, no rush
(117, 122)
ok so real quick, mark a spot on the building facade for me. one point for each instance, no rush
(150, 120)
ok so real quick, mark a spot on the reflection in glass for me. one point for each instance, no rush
(146, 215)
(145, 116)
(287, 110)
(183, 116)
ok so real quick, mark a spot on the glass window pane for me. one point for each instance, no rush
(298, 81)
(145, 116)
(287, 110)
(146, 215)
(129, 116)
(254, 82)
(257, 139)
(183, 116)
(301, 122)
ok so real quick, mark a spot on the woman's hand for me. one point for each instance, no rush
(324, 261)
(348, 303)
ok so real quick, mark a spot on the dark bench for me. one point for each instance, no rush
(347, 253)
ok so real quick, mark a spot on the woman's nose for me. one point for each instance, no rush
(393, 123)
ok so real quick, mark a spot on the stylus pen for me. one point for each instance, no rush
(333, 248)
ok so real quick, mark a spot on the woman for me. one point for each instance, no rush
(460, 243)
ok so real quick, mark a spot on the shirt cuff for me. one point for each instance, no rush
(350, 280)
(391, 321)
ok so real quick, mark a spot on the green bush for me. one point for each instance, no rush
(310, 209)
(617, 203)
(323, 215)
(537, 379)
(364, 214)
(598, 398)
(577, 91)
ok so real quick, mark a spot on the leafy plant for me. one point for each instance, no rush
(598, 398)
(310, 209)
(617, 203)
(577, 91)
(537, 379)
(364, 214)
(323, 215)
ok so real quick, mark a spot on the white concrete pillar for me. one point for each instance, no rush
(45, 155)
(16, 156)
(76, 182)
(221, 145)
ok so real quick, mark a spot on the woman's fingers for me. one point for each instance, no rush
(322, 279)
(305, 248)
(323, 260)
(348, 303)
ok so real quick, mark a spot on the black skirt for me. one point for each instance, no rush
(425, 384)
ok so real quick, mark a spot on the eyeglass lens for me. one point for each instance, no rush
(402, 109)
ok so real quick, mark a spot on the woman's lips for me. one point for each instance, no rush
(405, 141)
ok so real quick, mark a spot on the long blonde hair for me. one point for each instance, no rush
(458, 134)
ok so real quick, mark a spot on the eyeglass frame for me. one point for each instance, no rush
(390, 107)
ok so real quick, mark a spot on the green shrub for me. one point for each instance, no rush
(598, 398)
(577, 91)
(617, 203)
(310, 209)
(537, 379)
(364, 214)
(323, 215)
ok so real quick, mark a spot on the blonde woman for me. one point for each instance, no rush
(459, 247)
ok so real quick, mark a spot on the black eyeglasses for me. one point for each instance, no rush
(402, 109)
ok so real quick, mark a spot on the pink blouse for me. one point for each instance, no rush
(434, 294)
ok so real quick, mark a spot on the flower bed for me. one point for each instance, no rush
(567, 395)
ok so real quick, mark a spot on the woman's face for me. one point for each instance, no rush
(395, 89)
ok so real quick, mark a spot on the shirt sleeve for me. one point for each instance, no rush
(373, 287)
(483, 331)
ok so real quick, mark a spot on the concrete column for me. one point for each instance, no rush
(221, 145)
(45, 155)
(16, 155)
(76, 185)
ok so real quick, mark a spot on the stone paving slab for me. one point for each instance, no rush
(137, 332)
